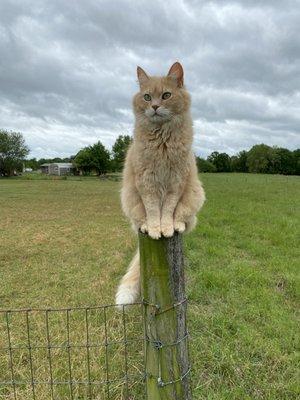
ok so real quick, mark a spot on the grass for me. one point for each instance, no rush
(66, 243)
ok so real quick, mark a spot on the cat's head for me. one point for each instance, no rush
(161, 98)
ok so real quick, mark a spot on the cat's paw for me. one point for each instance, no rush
(167, 230)
(154, 232)
(179, 226)
(144, 227)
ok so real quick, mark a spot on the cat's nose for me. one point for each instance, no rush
(155, 107)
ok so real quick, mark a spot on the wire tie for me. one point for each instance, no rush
(147, 303)
(160, 382)
(158, 344)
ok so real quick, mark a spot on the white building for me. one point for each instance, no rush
(57, 168)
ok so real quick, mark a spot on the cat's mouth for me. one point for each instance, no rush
(158, 115)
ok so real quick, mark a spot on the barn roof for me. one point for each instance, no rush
(64, 165)
(60, 165)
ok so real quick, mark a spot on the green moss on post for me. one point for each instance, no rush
(162, 286)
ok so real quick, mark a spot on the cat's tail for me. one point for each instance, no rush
(129, 288)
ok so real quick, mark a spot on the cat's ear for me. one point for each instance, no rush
(142, 76)
(176, 72)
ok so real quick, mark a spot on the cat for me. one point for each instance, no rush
(161, 192)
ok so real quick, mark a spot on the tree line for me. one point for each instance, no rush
(97, 159)
(260, 159)
(94, 159)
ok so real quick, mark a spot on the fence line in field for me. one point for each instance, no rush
(99, 352)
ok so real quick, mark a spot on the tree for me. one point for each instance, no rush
(83, 161)
(204, 165)
(32, 163)
(220, 160)
(12, 152)
(284, 161)
(239, 162)
(261, 159)
(93, 158)
(296, 155)
(43, 161)
(100, 158)
(119, 150)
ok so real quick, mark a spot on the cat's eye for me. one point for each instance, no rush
(147, 97)
(166, 95)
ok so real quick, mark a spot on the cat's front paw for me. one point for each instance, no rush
(179, 226)
(154, 232)
(167, 229)
(144, 227)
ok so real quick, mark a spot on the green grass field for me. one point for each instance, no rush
(66, 243)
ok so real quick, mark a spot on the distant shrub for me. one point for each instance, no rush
(205, 166)
(221, 161)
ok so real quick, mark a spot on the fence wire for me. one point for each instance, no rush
(160, 345)
(95, 353)
(72, 353)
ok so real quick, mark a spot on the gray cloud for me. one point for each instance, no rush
(67, 69)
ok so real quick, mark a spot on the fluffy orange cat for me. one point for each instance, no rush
(161, 191)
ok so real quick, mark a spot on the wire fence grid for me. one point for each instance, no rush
(72, 353)
(95, 353)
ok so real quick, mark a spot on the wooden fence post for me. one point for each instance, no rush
(163, 293)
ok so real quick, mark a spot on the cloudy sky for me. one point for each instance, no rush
(68, 69)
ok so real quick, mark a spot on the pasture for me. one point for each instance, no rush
(66, 243)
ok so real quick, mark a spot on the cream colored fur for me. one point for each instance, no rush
(161, 191)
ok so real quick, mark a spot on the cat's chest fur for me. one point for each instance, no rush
(161, 165)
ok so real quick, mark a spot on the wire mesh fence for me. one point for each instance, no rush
(72, 353)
